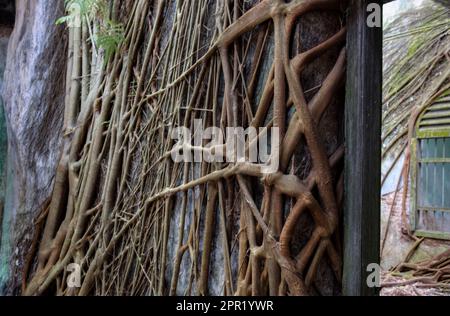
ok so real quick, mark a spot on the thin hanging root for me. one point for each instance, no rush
(139, 223)
(208, 236)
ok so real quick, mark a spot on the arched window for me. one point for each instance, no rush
(430, 194)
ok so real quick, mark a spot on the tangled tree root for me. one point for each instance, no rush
(433, 273)
(117, 188)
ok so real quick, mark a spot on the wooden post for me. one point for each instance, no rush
(363, 150)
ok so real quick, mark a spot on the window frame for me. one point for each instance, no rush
(416, 160)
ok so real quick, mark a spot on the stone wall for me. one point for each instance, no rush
(6, 24)
(33, 95)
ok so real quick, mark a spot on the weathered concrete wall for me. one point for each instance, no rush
(34, 103)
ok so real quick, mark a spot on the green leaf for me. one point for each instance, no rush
(62, 20)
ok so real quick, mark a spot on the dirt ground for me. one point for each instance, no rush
(396, 247)
(415, 289)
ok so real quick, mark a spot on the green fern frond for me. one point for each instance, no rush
(87, 9)
(110, 33)
(109, 38)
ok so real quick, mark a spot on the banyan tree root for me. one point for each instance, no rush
(117, 188)
(433, 273)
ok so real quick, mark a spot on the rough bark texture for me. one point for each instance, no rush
(34, 104)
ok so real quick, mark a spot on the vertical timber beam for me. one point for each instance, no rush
(363, 149)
